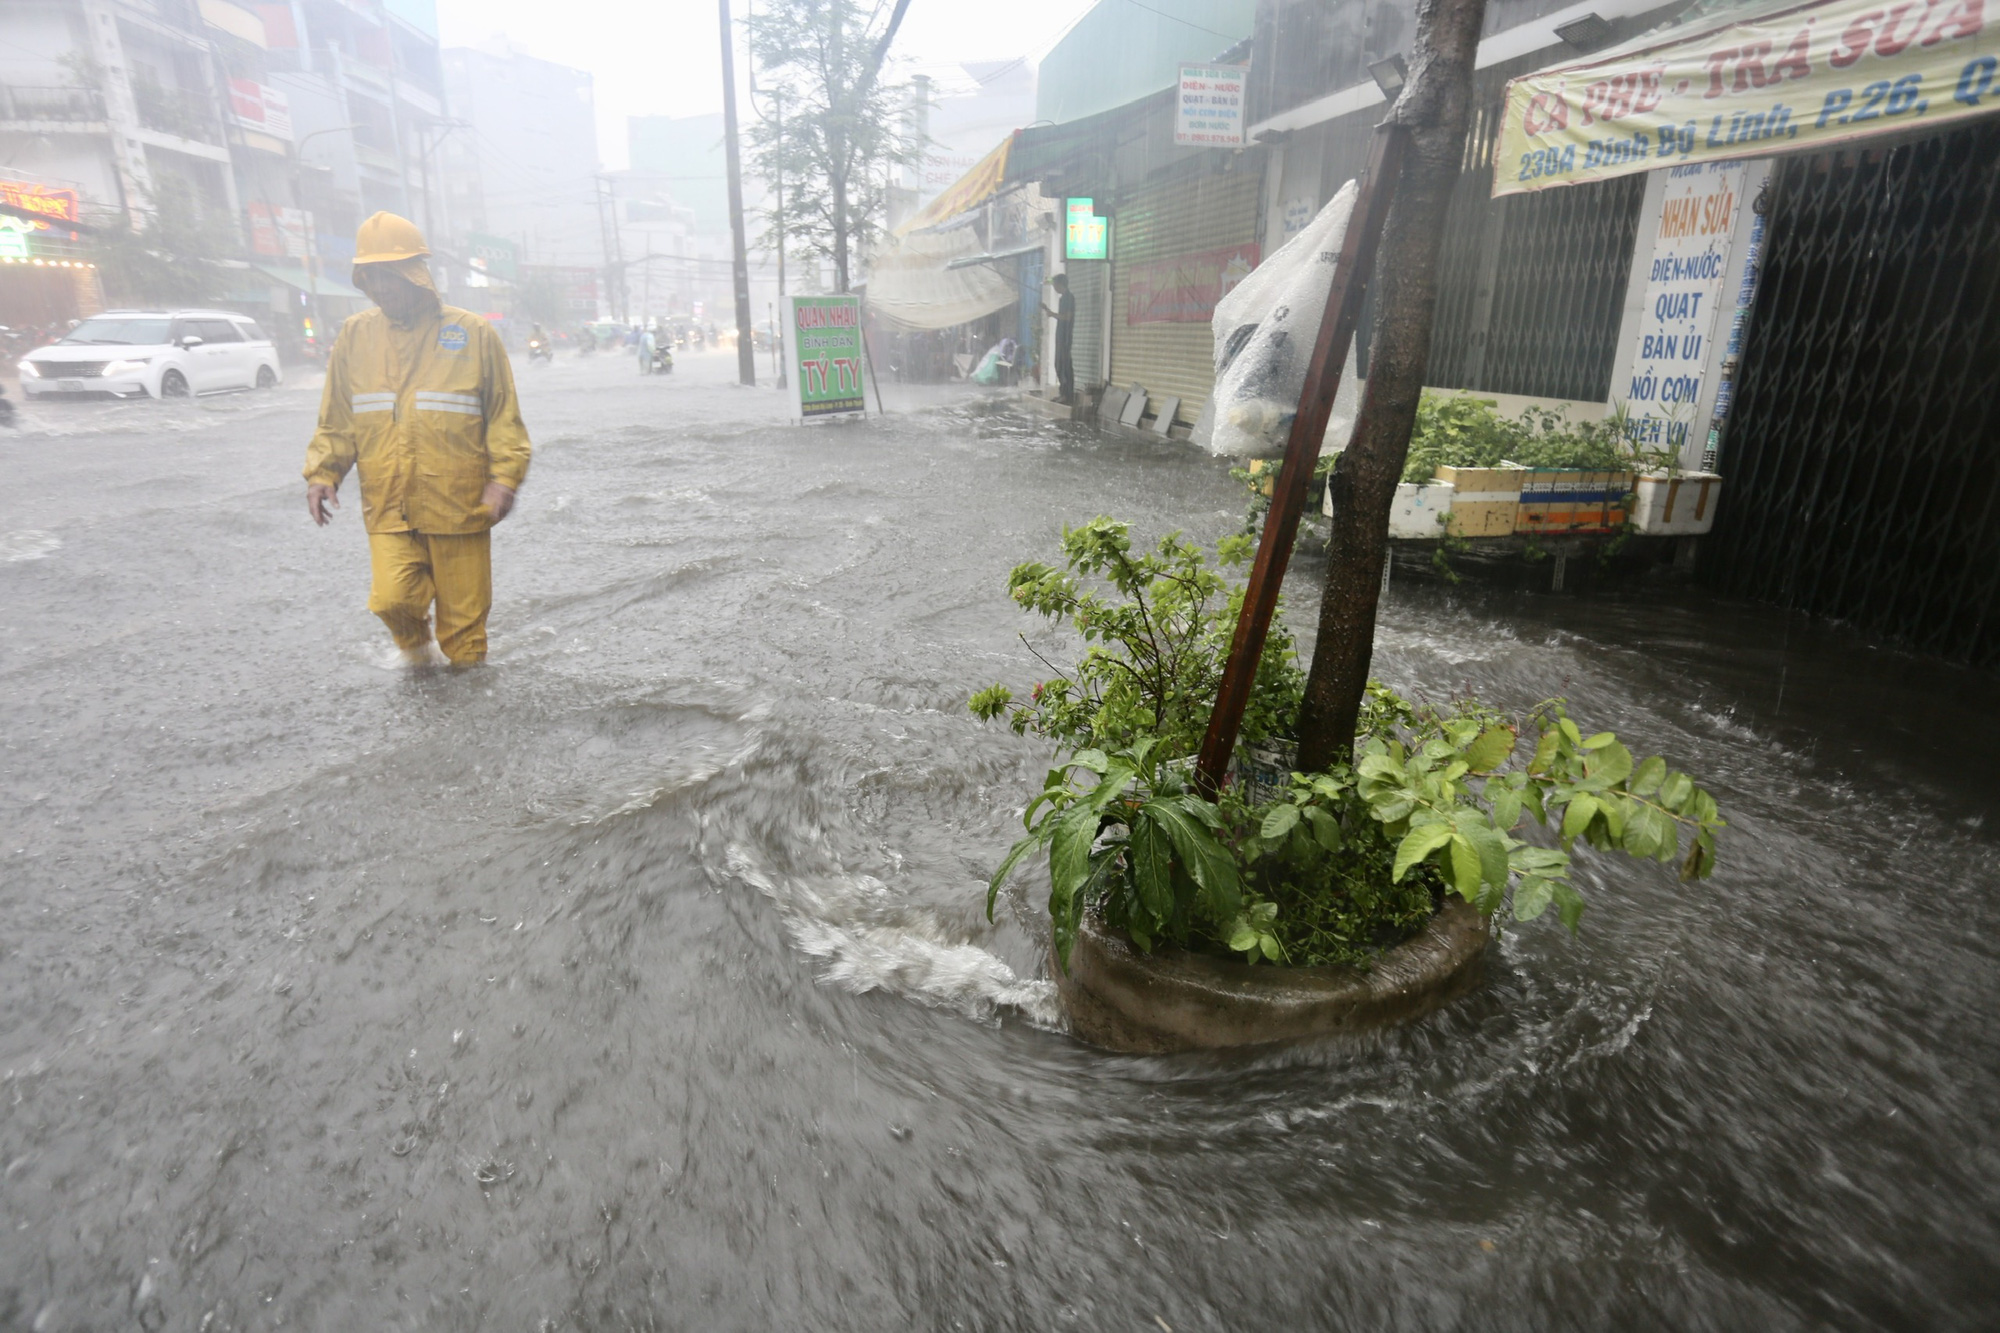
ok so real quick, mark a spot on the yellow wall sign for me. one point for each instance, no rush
(1806, 77)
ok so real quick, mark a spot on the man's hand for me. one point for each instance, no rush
(318, 497)
(498, 500)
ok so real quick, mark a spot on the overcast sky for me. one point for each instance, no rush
(662, 57)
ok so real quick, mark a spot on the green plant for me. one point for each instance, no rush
(1136, 843)
(1340, 864)
(1458, 430)
(1155, 650)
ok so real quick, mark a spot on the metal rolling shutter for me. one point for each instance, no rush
(1161, 221)
(1086, 284)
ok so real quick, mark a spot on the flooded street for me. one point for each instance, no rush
(641, 980)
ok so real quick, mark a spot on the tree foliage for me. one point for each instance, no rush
(1338, 863)
(172, 262)
(836, 132)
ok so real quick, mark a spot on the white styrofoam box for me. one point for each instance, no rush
(1682, 506)
(1418, 511)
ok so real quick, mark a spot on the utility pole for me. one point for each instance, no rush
(614, 248)
(320, 344)
(746, 351)
(778, 355)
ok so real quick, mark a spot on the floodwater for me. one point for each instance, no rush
(640, 980)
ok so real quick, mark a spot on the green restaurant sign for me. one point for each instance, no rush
(827, 350)
(1086, 235)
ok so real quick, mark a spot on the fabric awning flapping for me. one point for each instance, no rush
(972, 189)
(914, 286)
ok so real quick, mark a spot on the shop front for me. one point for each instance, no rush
(47, 278)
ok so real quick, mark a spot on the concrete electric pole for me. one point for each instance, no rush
(746, 350)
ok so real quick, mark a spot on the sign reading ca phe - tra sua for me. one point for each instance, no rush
(1806, 77)
(828, 356)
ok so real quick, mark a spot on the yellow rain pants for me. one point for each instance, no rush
(411, 570)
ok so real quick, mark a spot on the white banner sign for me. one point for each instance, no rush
(1685, 278)
(1210, 111)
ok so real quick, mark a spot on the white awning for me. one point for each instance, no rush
(914, 287)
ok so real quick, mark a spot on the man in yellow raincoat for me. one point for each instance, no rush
(420, 396)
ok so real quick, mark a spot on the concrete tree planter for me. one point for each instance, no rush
(1172, 1000)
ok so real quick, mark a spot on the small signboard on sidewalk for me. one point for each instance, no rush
(828, 356)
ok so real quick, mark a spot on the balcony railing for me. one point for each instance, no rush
(177, 111)
(71, 105)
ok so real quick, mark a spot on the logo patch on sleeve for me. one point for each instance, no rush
(452, 337)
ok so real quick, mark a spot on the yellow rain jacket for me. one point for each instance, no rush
(430, 415)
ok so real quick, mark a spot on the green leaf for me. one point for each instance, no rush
(1272, 949)
(1569, 730)
(1675, 791)
(1465, 867)
(1700, 858)
(1531, 899)
(1577, 816)
(1000, 876)
(1493, 748)
(1492, 849)
(1646, 780)
(1417, 844)
(1612, 762)
(1152, 866)
(1636, 837)
(1506, 807)
(1094, 760)
(1545, 751)
(1069, 851)
(1325, 829)
(1600, 740)
(1569, 904)
(1279, 820)
(1207, 862)
(1242, 938)
(1381, 768)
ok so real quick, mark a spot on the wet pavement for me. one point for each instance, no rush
(640, 980)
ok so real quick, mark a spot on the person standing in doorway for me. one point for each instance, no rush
(1065, 317)
(419, 396)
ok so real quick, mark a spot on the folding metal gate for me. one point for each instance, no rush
(1531, 287)
(1862, 454)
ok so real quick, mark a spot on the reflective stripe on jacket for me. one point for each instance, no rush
(429, 414)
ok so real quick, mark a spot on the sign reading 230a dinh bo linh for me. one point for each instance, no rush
(1806, 77)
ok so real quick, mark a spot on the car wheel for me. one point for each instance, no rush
(173, 384)
(267, 378)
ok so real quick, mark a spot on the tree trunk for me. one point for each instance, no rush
(1435, 106)
(839, 184)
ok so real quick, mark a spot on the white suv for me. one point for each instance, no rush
(168, 354)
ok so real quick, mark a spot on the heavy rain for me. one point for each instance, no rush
(558, 891)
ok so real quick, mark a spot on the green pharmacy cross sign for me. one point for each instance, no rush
(827, 350)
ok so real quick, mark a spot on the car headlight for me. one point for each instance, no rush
(127, 366)
(28, 371)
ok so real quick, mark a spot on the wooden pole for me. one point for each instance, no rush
(1288, 493)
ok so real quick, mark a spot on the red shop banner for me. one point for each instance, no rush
(1184, 289)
